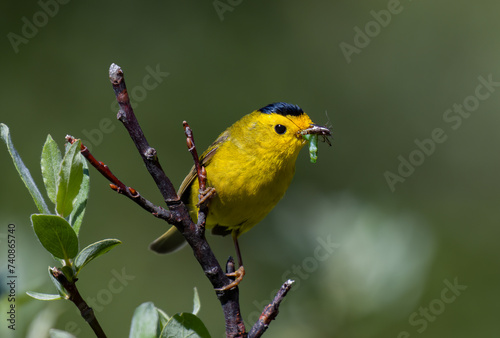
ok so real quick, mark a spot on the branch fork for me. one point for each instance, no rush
(178, 214)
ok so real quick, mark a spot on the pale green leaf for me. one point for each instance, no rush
(80, 202)
(51, 165)
(196, 302)
(43, 296)
(70, 179)
(145, 322)
(23, 171)
(94, 250)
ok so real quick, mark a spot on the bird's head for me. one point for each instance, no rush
(278, 129)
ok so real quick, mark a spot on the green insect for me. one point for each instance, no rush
(313, 146)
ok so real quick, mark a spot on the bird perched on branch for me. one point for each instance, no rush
(250, 166)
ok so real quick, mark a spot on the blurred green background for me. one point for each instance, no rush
(420, 259)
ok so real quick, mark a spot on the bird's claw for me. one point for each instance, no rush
(205, 196)
(238, 274)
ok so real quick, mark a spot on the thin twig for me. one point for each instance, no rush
(127, 117)
(192, 149)
(120, 187)
(86, 312)
(205, 194)
(270, 311)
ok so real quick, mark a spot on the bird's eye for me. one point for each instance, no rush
(280, 129)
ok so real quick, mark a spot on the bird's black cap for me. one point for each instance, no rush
(282, 108)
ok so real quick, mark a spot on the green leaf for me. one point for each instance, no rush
(80, 202)
(93, 251)
(185, 325)
(70, 179)
(56, 235)
(196, 302)
(51, 164)
(59, 287)
(53, 333)
(144, 322)
(164, 318)
(23, 171)
(43, 296)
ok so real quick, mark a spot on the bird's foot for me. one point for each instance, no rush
(238, 274)
(205, 196)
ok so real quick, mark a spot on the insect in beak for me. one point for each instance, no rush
(315, 129)
(311, 134)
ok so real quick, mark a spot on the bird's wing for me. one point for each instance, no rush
(185, 188)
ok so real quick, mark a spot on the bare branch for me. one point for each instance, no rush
(270, 311)
(127, 117)
(74, 295)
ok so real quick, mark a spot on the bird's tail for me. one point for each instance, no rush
(169, 242)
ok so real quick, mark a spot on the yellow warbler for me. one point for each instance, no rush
(250, 165)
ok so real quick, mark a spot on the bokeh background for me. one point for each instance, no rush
(413, 256)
